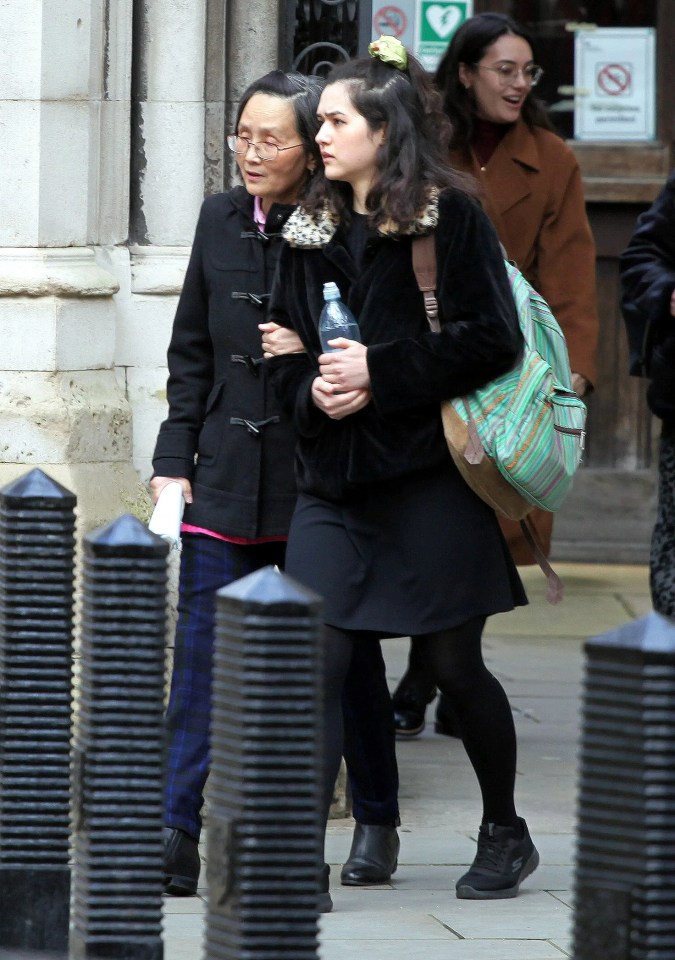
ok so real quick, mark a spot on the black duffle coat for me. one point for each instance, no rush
(225, 431)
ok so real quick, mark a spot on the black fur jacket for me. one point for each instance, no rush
(411, 369)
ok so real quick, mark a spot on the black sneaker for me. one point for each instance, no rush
(505, 856)
(181, 863)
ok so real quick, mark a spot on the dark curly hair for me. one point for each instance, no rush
(414, 156)
(469, 45)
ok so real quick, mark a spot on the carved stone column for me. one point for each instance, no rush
(64, 156)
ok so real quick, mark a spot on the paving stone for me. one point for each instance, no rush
(566, 896)
(373, 913)
(532, 915)
(583, 615)
(424, 950)
(638, 605)
(564, 944)
(590, 578)
(183, 925)
(182, 905)
(182, 948)
(539, 658)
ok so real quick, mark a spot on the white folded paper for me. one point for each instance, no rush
(168, 513)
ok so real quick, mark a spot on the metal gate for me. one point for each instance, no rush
(318, 33)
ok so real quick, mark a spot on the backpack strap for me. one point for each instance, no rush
(426, 271)
(424, 265)
(555, 590)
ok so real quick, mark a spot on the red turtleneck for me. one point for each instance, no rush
(487, 137)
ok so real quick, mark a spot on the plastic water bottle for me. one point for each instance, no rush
(336, 319)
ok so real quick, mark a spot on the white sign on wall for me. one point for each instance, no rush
(614, 77)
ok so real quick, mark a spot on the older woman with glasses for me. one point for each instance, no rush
(225, 440)
(228, 444)
(531, 188)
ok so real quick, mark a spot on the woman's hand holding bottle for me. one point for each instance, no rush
(344, 385)
(346, 366)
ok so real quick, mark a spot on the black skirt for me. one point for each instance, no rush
(411, 556)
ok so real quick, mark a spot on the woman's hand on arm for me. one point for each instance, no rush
(347, 367)
(277, 340)
(157, 484)
(338, 404)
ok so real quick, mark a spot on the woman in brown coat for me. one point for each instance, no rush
(531, 188)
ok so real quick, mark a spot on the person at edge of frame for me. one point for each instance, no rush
(230, 447)
(531, 188)
(647, 268)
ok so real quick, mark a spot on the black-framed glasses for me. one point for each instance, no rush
(263, 150)
(508, 73)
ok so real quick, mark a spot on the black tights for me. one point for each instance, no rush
(480, 703)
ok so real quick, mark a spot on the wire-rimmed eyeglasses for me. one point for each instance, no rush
(508, 73)
(263, 150)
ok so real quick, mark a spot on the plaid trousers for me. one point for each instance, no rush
(207, 565)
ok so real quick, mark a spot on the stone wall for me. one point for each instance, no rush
(113, 115)
(64, 157)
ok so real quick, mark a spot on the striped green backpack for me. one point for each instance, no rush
(518, 440)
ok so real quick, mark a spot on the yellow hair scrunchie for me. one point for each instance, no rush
(389, 50)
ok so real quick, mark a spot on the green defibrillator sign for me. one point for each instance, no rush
(437, 21)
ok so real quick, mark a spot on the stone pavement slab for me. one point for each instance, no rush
(538, 654)
(397, 949)
(536, 914)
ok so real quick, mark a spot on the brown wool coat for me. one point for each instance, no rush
(531, 189)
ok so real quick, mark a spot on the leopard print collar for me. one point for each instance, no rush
(315, 232)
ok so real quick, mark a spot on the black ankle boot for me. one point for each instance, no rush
(181, 863)
(410, 701)
(446, 721)
(373, 857)
(324, 903)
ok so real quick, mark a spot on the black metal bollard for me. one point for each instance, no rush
(265, 830)
(117, 775)
(625, 874)
(37, 549)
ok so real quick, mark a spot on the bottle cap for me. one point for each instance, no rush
(331, 291)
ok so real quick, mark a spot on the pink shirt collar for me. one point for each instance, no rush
(259, 214)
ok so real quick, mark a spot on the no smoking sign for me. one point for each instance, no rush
(390, 21)
(614, 79)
